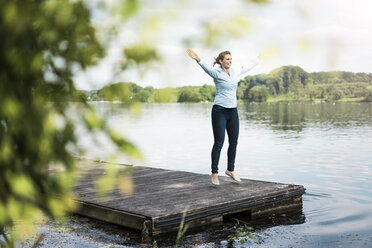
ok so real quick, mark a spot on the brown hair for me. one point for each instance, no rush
(220, 57)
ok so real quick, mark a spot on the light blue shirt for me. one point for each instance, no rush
(226, 85)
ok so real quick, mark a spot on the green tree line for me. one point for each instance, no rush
(294, 83)
(130, 92)
(286, 83)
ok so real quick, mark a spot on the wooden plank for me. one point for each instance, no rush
(111, 215)
(192, 225)
(225, 208)
(277, 207)
(161, 196)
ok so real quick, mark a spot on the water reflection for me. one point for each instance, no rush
(299, 116)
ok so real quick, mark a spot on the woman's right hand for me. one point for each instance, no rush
(193, 55)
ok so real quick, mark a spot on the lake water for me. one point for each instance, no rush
(325, 147)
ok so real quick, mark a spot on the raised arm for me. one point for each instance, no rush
(208, 69)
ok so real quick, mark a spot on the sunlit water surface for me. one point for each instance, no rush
(325, 147)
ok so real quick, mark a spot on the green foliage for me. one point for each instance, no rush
(165, 95)
(207, 93)
(221, 29)
(123, 92)
(182, 229)
(258, 1)
(130, 92)
(141, 53)
(44, 42)
(340, 77)
(368, 97)
(189, 94)
(293, 83)
(145, 94)
(285, 83)
(243, 234)
(117, 92)
(258, 94)
(128, 8)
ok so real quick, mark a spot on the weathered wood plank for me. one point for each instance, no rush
(161, 196)
(111, 215)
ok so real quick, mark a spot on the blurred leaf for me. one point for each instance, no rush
(141, 53)
(13, 209)
(58, 209)
(43, 39)
(107, 182)
(304, 44)
(124, 145)
(67, 178)
(22, 186)
(136, 109)
(63, 15)
(270, 53)
(37, 63)
(127, 8)
(258, 1)
(5, 150)
(92, 119)
(219, 29)
(2, 214)
(125, 181)
(238, 26)
(10, 12)
(10, 108)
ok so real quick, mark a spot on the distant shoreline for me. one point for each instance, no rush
(287, 83)
(351, 100)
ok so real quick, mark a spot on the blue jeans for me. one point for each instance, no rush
(224, 119)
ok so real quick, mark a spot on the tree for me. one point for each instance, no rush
(207, 92)
(368, 97)
(44, 42)
(258, 94)
(123, 92)
(336, 94)
(189, 94)
(164, 95)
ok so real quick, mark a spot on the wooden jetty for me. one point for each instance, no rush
(160, 197)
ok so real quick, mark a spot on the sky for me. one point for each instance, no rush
(317, 35)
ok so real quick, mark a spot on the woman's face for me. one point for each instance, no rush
(226, 62)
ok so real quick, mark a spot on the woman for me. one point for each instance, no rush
(224, 111)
